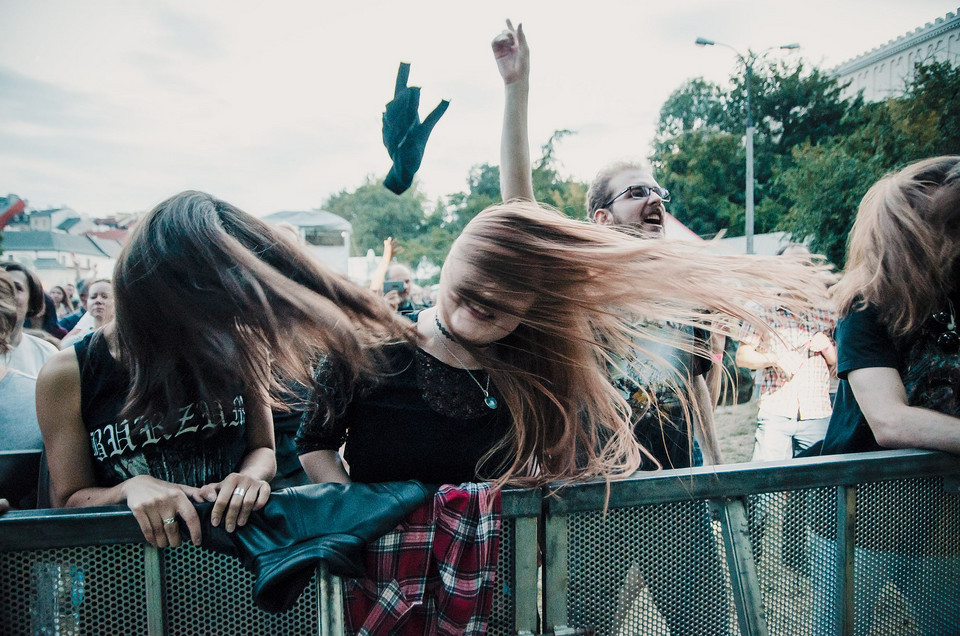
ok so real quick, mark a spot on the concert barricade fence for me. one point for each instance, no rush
(866, 543)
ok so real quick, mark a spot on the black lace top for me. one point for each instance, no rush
(423, 420)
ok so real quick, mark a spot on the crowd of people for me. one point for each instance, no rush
(553, 349)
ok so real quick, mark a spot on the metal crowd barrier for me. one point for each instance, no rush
(866, 543)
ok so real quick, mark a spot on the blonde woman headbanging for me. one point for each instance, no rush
(507, 380)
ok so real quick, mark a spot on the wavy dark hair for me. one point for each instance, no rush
(8, 310)
(210, 298)
(34, 288)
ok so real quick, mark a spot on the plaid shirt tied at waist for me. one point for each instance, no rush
(435, 573)
(806, 395)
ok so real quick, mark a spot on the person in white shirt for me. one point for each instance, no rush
(27, 353)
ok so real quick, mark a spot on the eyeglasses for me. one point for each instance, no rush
(642, 192)
(949, 340)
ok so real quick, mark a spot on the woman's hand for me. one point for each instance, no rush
(156, 504)
(512, 54)
(235, 498)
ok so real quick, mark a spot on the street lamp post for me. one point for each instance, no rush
(748, 71)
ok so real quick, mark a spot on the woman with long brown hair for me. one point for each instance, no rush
(508, 381)
(899, 367)
(215, 312)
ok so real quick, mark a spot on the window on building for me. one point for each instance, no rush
(323, 238)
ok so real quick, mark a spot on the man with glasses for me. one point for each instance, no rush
(638, 202)
(680, 565)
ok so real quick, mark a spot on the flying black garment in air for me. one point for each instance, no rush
(404, 135)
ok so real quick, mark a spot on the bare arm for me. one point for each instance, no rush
(749, 357)
(380, 274)
(714, 376)
(71, 465)
(324, 466)
(705, 431)
(895, 424)
(513, 59)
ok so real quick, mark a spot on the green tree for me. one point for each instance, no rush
(376, 213)
(826, 180)
(699, 154)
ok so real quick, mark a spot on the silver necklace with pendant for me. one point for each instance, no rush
(442, 333)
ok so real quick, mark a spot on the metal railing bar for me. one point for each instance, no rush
(520, 502)
(329, 602)
(68, 527)
(556, 577)
(743, 569)
(106, 525)
(155, 591)
(525, 574)
(845, 557)
(738, 480)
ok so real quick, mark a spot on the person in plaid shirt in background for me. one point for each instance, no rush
(794, 405)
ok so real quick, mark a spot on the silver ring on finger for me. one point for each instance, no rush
(239, 491)
(169, 521)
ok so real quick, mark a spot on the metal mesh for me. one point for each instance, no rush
(907, 561)
(502, 613)
(780, 531)
(210, 593)
(648, 570)
(86, 590)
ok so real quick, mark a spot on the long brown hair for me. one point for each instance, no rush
(904, 245)
(210, 298)
(596, 291)
(8, 309)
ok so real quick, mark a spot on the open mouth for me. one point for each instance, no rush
(654, 218)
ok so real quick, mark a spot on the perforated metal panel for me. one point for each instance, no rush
(780, 527)
(648, 570)
(210, 593)
(88, 590)
(907, 561)
(501, 617)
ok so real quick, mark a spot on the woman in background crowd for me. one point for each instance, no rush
(215, 312)
(60, 301)
(18, 411)
(100, 311)
(27, 353)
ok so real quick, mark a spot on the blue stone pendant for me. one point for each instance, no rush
(491, 402)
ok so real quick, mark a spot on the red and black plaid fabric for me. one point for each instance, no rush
(435, 573)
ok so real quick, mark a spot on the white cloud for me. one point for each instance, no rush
(113, 105)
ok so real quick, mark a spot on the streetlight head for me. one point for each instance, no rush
(704, 42)
(790, 46)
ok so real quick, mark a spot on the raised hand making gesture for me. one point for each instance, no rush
(513, 60)
(512, 54)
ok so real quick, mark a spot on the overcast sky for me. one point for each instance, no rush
(110, 106)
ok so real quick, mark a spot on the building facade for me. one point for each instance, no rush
(886, 70)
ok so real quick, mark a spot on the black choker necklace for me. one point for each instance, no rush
(488, 399)
(443, 330)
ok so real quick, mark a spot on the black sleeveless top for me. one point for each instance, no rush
(423, 420)
(205, 444)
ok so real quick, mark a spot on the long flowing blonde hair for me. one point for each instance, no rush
(596, 292)
(904, 245)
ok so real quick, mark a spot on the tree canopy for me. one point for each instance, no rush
(698, 151)
(816, 153)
